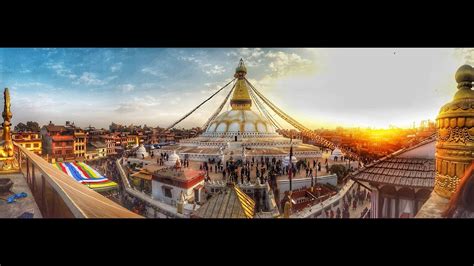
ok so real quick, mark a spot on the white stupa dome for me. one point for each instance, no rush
(141, 152)
(336, 152)
(286, 160)
(240, 121)
(172, 160)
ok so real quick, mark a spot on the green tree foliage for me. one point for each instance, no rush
(340, 170)
(29, 126)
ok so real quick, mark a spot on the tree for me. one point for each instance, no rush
(33, 126)
(340, 170)
(29, 126)
(20, 127)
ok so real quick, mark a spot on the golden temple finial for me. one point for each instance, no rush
(7, 158)
(241, 97)
(241, 70)
(455, 135)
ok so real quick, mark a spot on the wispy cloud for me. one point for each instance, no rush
(116, 67)
(89, 78)
(209, 69)
(153, 71)
(253, 56)
(61, 70)
(126, 88)
(283, 63)
(138, 104)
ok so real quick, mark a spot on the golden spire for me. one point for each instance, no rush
(7, 116)
(7, 158)
(455, 135)
(241, 97)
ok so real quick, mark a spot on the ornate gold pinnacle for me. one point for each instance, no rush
(455, 135)
(7, 158)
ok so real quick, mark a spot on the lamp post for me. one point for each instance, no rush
(290, 172)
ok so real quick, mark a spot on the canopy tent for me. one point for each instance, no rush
(86, 175)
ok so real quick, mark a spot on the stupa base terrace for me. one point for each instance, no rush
(204, 148)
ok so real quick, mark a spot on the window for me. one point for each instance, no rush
(28, 145)
(36, 145)
(167, 192)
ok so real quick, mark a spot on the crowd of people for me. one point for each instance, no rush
(355, 197)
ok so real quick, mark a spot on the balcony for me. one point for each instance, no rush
(59, 196)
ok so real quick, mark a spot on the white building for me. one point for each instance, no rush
(168, 183)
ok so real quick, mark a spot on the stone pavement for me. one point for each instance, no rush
(17, 208)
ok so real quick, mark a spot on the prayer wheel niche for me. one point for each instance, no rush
(455, 138)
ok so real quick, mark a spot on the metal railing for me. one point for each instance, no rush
(59, 196)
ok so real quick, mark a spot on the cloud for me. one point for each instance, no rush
(116, 67)
(467, 55)
(282, 63)
(23, 86)
(61, 70)
(252, 56)
(126, 88)
(209, 69)
(154, 72)
(215, 70)
(89, 78)
(138, 104)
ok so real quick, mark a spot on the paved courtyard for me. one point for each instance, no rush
(22, 205)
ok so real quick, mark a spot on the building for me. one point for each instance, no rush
(109, 141)
(230, 202)
(30, 140)
(96, 150)
(169, 182)
(401, 182)
(80, 143)
(58, 143)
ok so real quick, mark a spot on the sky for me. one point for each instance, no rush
(349, 87)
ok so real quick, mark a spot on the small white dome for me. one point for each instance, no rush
(172, 159)
(286, 160)
(336, 152)
(141, 152)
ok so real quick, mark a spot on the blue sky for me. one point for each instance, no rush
(156, 86)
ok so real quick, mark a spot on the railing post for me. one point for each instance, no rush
(43, 200)
(28, 171)
(19, 157)
(33, 176)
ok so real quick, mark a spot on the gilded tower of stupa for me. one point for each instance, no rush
(455, 142)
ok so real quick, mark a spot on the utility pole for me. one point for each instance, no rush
(290, 172)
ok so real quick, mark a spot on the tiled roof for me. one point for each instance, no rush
(231, 202)
(54, 128)
(395, 170)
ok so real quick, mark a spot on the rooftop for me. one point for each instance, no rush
(231, 202)
(412, 166)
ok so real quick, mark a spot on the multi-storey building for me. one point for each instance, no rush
(57, 142)
(109, 141)
(29, 140)
(95, 150)
(80, 143)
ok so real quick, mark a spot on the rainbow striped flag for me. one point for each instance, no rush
(86, 175)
